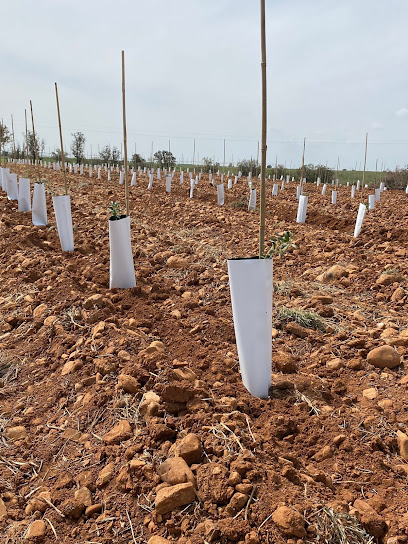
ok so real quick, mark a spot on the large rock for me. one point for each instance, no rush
(169, 498)
(175, 471)
(190, 449)
(120, 432)
(384, 357)
(289, 521)
(373, 523)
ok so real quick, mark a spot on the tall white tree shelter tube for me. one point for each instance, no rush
(251, 283)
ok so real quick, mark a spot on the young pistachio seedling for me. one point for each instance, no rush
(115, 210)
(280, 243)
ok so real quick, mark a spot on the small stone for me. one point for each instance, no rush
(190, 449)
(176, 262)
(335, 272)
(238, 501)
(384, 357)
(325, 453)
(94, 300)
(71, 366)
(100, 327)
(16, 433)
(334, 364)
(39, 311)
(129, 384)
(105, 475)
(285, 363)
(297, 330)
(120, 432)
(371, 393)
(169, 498)
(36, 531)
(175, 471)
(289, 521)
(84, 496)
(72, 508)
(398, 294)
(93, 509)
(158, 540)
(402, 440)
(3, 510)
(388, 279)
(50, 320)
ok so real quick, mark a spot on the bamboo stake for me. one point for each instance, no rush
(124, 134)
(303, 164)
(169, 158)
(365, 162)
(257, 160)
(194, 155)
(25, 115)
(35, 144)
(14, 142)
(276, 167)
(263, 153)
(62, 145)
(151, 159)
(223, 165)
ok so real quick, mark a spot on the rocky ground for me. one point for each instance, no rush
(123, 417)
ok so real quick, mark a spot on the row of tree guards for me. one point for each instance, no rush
(250, 278)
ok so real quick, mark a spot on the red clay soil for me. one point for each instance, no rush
(157, 365)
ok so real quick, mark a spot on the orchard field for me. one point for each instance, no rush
(123, 415)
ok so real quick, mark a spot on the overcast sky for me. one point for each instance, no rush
(336, 70)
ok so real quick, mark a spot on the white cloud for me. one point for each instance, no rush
(375, 125)
(402, 112)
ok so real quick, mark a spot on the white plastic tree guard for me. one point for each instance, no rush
(229, 183)
(39, 209)
(133, 181)
(150, 181)
(360, 218)
(159, 173)
(12, 186)
(121, 177)
(252, 200)
(24, 195)
(3, 178)
(334, 197)
(220, 194)
(251, 285)
(298, 191)
(99, 173)
(62, 209)
(122, 270)
(168, 184)
(282, 185)
(81, 169)
(90, 171)
(109, 175)
(235, 180)
(181, 177)
(371, 202)
(192, 185)
(318, 182)
(302, 209)
(378, 195)
(275, 188)
(324, 189)
(353, 191)
(358, 185)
